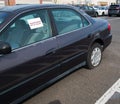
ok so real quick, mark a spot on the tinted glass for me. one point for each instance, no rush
(90, 8)
(114, 6)
(67, 20)
(30, 28)
(85, 22)
(3, 16)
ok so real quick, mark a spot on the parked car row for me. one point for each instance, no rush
(95, 11)
(88, 9)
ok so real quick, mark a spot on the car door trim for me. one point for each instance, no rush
(73, 31)
(33, 45)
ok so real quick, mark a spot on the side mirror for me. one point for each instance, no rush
(5, 48)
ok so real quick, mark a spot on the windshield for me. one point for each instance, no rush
(3, 16)
(114, 6)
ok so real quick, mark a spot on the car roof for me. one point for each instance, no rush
(24, 7)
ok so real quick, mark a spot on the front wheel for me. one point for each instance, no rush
(103, 14)
(94, 56)
(96, 14)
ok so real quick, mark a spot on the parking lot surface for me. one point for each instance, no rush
(87, 86)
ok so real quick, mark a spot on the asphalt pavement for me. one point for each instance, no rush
(87, 86)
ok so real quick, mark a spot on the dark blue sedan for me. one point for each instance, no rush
(40, 44)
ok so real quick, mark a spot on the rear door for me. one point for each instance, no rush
(73, 30)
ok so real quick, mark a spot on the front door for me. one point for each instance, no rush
(30, 37)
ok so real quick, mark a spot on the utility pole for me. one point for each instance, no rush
(41, 1)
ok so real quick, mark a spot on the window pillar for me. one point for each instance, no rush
(10, 2)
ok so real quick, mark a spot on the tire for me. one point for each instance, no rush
(103, 14)
(94, 56)
(118, 15)
(96, 14)
(109, 15)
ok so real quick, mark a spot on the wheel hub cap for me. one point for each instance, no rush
(96, 56)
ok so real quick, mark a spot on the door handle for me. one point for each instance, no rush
(52, 50)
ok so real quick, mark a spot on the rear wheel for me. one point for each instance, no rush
(96, 14)
(94, 56)
(103, 14)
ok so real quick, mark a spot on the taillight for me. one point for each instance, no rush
(109, 27)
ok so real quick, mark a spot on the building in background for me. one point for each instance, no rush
(2, 3)
(89, 2)
(13, 2)
(103, 2)
(48, 1)
(27, 1)
(6, 2)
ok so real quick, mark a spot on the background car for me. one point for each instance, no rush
(39, 44)
(114, 10)
(88, 9)
(102, 10)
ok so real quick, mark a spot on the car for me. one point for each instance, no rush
(114, 10)
(40, 44)
(102, 10)
(88, 9)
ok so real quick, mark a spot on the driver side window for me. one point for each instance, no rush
(28, 29)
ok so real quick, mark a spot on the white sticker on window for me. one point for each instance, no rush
(35, 23)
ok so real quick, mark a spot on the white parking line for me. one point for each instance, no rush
(110, 92)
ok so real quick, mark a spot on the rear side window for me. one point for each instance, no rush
(68, 20)
(85, 8)
(114, 6)
(90, 8)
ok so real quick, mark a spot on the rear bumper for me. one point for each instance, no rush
(107, 40)
(114, 12)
